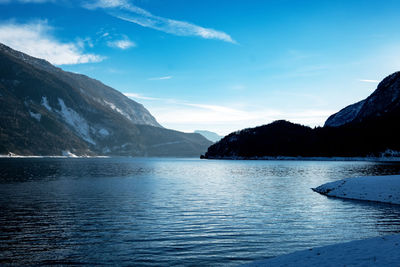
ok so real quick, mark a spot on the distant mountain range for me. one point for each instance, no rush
(47, 111)
(213, 137)
(370, 127)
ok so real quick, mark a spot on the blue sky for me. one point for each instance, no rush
(217, 65)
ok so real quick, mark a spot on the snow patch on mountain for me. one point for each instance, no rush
(103, 132)
(45, 103)
(113, 107)
(66, 153)
(78, 123)
(36, 116)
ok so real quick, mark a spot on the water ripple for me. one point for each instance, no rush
(183, 212)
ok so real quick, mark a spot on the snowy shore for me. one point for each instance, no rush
(378, 251)
(370, 188)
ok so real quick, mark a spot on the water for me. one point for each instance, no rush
(187, 212)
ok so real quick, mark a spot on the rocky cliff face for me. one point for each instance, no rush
(47, 111)
(345, 115)
(385, 100)
(89, 89)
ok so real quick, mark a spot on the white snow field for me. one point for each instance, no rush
(378, 251)
(370, 188)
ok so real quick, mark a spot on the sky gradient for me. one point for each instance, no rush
(217, 65)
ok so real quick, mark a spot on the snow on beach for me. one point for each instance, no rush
(378, 251)
(370, 188)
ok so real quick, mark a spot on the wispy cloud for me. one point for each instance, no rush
(216, 108)
(122, 44)
(124, 10)
(35, 39)
(188, 116)
(225, 119)
(160, 78)
(139, 96)
(105, 3)
(113, 40)
(369, 81)
(27, 1)
(82, 42)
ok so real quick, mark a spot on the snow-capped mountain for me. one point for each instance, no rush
(213, 137)
(48, 111)
(385, 100)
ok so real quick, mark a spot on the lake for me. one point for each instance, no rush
(189, 212)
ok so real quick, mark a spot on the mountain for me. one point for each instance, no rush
(48, 111)
(213, 137)
(384, 101)
(345, 115)
(275, 139)
(368, 128)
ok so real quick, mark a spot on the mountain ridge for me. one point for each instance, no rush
(384, 100)
(368, 128)
(213, 137)
(47, 111)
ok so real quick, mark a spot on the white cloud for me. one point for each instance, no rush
(139, 96)
(104, 4)
(223, 119)
(122, 9)
(226, 119)
(121, 44)
(82, 42)
(369, 81)
(35, 39)
(215, 108)
(27, 1)
(160, 78)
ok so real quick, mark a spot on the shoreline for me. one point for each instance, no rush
(376, 251)
(383, 189)
(278, 158)
(372, 159)
(52, 157)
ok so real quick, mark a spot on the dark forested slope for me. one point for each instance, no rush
(370, 127)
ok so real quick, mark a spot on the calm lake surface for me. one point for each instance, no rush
(188, 212)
